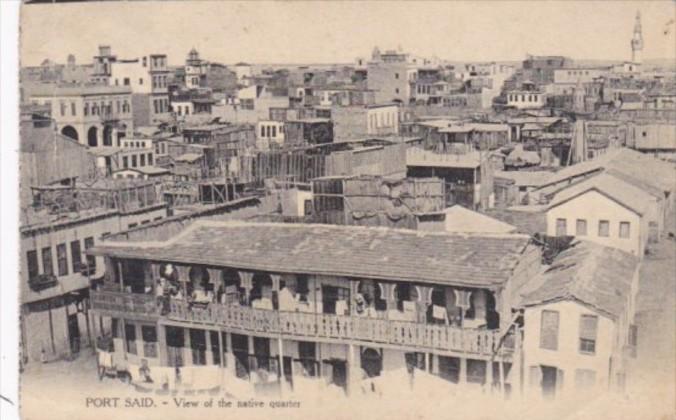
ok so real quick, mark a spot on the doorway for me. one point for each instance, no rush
(73, 334)
(549, 381)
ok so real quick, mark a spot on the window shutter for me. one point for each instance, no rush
(549, 331)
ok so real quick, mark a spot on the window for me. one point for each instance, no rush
(91, 260)
(588, 327)
(73, 109)
(76, 255)
(47, 266)
(604, 228)
(126, 81)
(62, 259)
(132, 225)
(140, 81)
(143, 160)
(274, 131)
(133, 161)
(549, 330)
(125, 162)
(396, 75)
(396, 90)
(86, 109)
(32, 262)
(561, 228)
(150, 159)
(130, 337)
(581, 227)
(585, 378)
(624, 229)
(149, 335)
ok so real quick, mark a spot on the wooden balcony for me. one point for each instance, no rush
(309, 326)
(118, 304)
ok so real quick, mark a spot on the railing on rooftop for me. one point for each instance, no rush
(308, 326)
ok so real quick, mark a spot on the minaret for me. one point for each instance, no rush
(637, 41)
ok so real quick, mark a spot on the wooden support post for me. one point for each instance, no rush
(428, 362)
(489, 374)
(187, 351)
(221, 353)
(280, 355)
(351, 371)
(501, 378)
(462, 372)
(354, 289)
(121, 274)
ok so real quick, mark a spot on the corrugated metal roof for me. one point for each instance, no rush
(352, 251)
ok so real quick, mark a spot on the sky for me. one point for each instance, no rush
(340, 31)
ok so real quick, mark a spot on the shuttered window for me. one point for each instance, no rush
(47, 264)
(588, 327)
(561, 228)
(549, 330)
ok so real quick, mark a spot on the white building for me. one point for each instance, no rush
(578, 320)
(269, 133)
(605, 210)
(526, 99)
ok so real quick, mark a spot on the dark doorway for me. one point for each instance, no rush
(549, 381)
(92, 137)
(371, 362)
(240, 349)
(175, 343)
(73, 334)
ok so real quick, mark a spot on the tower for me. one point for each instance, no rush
(637, 41)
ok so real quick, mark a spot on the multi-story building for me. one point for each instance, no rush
(62, 223)
(392, 77)
(147, 77)
(94, 115)
(358, 122)
(580, 322)
(210, 311)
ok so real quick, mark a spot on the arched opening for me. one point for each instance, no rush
(261, 291)
(199, 280)
(371, 362)
(372, 295)
(229, 291)
(70, 131)
(92, 137)
(108, 136)
(408, 293)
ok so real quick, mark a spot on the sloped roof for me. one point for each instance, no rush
(463, 220)
(628, 164)
(525, 178)
(526, 219)
(616, 189)
(589, 273)
(189, 157)
(353, 251)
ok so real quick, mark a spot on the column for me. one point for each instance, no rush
(462, 372)
(229, 355)
(354, 289)
(489, 375)
(162, 344)
(187, 350)
(352, 371)
(280, 356)
(276, 280)
(208, 354)
(387, 290)
(220, 349)
(246, 282)
(424, 301)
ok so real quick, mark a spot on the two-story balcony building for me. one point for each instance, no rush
(226, 303)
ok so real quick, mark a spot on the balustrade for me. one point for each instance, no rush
(303, 325)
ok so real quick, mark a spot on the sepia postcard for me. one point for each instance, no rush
(341, 210)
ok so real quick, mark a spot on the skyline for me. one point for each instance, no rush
(325, 35)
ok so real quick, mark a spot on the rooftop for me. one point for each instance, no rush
(594, 275)
(419, 157)
(480, 260)
(617, 190)
(52, 90)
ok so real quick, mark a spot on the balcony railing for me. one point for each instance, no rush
(118, 304)
(308, 326)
